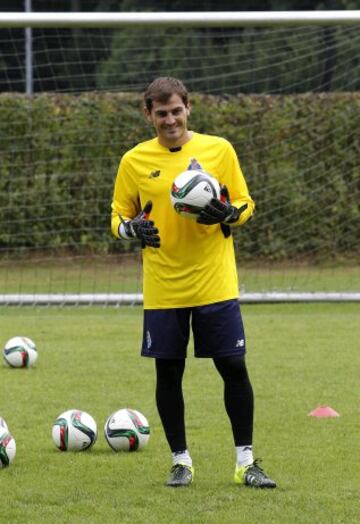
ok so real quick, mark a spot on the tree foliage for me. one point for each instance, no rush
(210, 60)
(59, 155)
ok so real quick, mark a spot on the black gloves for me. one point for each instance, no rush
(142, 228)
(220, 211)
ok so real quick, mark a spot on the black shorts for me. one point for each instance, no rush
(217, 328)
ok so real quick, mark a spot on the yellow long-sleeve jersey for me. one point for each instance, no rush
(195, 264)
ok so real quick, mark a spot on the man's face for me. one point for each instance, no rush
(170, 121)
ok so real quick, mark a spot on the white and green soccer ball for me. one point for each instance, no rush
(127, 430)
(191, 191)
(20, 352)
(74, 430)
(7, 447)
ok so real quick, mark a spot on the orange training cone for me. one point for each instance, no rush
(324, 411)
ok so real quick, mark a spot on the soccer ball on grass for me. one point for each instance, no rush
(7, 447)
(127, 430)
(74, 430)
(191, 191)
(20, 352)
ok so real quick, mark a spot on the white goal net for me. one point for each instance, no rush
(286, 96)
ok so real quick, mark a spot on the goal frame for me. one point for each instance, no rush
(189, 19)
(173, 19)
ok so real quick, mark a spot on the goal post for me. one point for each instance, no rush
(283, 87)
(178, 19)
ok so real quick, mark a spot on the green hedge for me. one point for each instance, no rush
(300, 155)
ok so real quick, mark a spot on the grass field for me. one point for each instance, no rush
(123, 275)
(299, 357)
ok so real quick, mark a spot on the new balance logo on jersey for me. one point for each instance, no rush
(154, 174)
(240, 343)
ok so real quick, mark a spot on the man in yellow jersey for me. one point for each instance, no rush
(190, 275)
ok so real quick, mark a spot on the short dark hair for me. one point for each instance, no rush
(162, 88)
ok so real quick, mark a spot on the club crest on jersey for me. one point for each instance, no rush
(194, 164)
(154, 174)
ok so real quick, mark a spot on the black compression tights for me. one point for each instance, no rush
(170, 401)
(238, 397)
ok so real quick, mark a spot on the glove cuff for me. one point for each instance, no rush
(126, 230)
(233, 216)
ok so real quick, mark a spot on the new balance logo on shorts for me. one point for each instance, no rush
(148, 339)
(240, 343)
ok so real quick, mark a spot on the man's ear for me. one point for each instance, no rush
(147, 114)
(188, 109)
